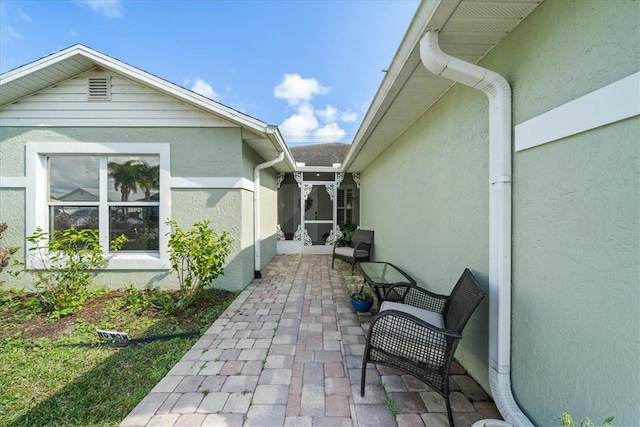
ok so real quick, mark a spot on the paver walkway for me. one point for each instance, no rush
(288, 352)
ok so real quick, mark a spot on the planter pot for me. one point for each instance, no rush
(491, 423)
(361, 306)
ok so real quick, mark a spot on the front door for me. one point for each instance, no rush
(318, 217)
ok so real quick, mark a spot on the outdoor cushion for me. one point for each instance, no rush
(430, 317)
(348, 252)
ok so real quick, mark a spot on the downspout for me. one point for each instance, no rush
(256, 210)
(498, 91)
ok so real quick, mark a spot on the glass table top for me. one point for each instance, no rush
(383, 273)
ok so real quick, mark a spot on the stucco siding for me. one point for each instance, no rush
(269, 219)
(12, 203)
(576, 218)
(224, 208)
(426, 198)
(195, 152)
(268, 205)
(576, 276)
(576, 214)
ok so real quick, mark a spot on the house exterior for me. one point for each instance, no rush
(535, 188)
(504, 138)
(72, 125)
(68, 120)
(317, 202)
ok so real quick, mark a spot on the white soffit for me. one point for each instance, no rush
(469, 33)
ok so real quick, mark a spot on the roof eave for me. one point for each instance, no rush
(431, 14)
(106, 62)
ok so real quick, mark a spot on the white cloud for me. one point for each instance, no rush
(328, 114)
(108, 8)
(73, 33)
(24, 16)
(331, 132)
(300, 125)
(349, 116)
(295, 89)
(13, 33)
(202, 87)
(309, 124)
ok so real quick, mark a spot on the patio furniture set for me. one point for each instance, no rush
(415, 330)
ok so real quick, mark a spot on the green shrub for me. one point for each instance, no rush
(5, 253)
(567, 421)
(347, 230)
(198, 256)
(65, 260)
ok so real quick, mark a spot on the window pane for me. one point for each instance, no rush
(341, 202)
(319, 232)
(73, 178)
(134, 178)
(289, 208)
(318, 205)
(79, 217)
(140, 224)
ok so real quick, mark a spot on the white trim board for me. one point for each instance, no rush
(211, 182)
(174, 182)
(612, 103)
(13, 181)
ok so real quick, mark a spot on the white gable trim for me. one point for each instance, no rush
(610, 104)
(140, 76)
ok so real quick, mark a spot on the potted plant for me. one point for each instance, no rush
(361, 297)
(348, 229)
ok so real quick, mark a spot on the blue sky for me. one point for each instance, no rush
(310, 67)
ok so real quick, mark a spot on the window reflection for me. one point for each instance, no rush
(133, 178)
(74, 178)
(132, 197)
(139, 224)
(79, 217)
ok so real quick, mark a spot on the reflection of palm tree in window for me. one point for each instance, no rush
(148, 179)
(125, 176)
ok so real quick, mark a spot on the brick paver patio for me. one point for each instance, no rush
(288, 352)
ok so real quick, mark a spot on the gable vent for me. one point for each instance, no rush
(99, 88)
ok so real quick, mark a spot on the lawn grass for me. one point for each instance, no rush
(46, 382)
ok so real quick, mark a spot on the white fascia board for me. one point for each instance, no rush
(143, 77)
(276, 138)
(39, 64)
(174, 90)
(318, 169)
(609, 104)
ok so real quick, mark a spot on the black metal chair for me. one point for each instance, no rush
(358, 250)
(420, 333)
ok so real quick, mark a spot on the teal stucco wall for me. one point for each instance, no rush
(268, 205)
(426, 197)
(576, 218)
(576, 214)
(195, 152)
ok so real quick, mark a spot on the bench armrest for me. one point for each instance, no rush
(416, 296)
(411, 342)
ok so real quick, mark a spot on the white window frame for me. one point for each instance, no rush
(345, 189)
(37, 206)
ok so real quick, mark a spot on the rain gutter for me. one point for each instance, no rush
(498, 91)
